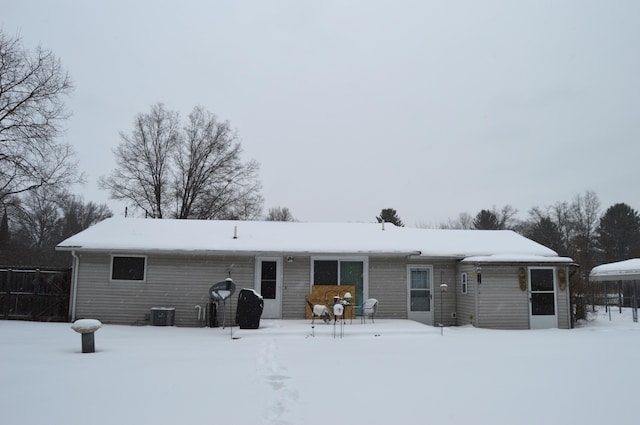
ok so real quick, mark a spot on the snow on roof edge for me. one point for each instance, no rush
(515, 258)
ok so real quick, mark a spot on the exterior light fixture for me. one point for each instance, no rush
(443, 289)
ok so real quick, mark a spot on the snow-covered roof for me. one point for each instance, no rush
(146, 235)
(621, 270)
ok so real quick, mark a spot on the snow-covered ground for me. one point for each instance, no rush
(387, 372)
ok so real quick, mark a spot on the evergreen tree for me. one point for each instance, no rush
(487, 220)
(546, 232)
(618, 234)
(389, 215)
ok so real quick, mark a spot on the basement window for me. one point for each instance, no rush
(130, 268)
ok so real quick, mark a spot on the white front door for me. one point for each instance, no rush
(543, 311)
(269, 285)
(420, 294)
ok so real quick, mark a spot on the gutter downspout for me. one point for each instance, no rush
(74, 285)
(477, 296)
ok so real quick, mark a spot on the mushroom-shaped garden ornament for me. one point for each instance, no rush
(87, 327)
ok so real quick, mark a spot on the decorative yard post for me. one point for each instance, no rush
(87, 328)
(443, 289)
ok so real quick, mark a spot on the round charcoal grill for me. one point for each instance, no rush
(221, 291)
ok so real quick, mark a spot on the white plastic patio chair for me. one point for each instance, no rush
(319, 310)
(370, 308)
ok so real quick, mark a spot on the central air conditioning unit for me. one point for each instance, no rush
(163, 316)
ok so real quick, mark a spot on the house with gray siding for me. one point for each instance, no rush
(125, 267)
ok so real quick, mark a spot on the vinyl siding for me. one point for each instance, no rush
(466, 303)
(181, 282)
(388, 284)
(444, 302)
(297, 285)
(501, 302)
(563, 300)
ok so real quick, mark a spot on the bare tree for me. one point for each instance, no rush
(279, 214)
(143, 158)
(193, 171)
(210, 180)
(585, 216)
(32, 113)
(464, 221)
(78, 215)
(560, 214)
(506, 215)
(44, 217)
(573, 228)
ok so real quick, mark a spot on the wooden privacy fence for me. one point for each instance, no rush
(35, 294)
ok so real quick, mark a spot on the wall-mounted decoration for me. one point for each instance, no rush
(562, 278)
(522, 278)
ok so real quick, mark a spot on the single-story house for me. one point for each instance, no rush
(124, 267)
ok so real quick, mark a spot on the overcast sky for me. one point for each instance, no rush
(430, 107)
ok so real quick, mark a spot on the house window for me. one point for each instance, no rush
(341, 272)
(128, 268)
(420, 289)
(338, 272)
(463, 282)
(325, 272)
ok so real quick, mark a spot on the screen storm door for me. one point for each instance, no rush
(269, 285)
(542, 297)
(420, 294)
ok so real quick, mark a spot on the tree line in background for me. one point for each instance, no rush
(33, 224)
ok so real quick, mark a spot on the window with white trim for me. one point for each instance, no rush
(420, 288)
(464, 283)
(129, 267)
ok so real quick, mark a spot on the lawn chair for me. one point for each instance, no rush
(319, 310)
(370, 308)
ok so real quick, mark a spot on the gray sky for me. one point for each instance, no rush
(430, 107)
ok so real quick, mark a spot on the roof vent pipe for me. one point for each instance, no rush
(235, 232)
(382, 224)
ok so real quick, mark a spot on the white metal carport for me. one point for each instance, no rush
(627, 270)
